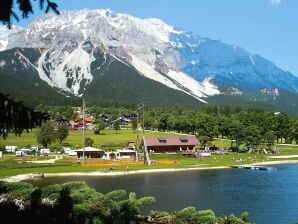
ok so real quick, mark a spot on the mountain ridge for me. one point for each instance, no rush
(74, 46)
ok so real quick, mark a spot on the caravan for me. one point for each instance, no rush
(11, 148)
(25, 151)
(20, 153)
(45, 152)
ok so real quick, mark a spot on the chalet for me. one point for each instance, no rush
(62, 121)
(78, 127)
(86, 120)
(170, 144)
(90, 152)
(127, 154)
(105, 117)
(81, 124)
(123, 118)
(86, 114)
(122, 154)
(130, 117)
(122, 123)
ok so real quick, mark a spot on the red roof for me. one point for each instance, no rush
(171, 141)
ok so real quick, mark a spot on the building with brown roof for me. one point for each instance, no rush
(170, 144)
(90, 152)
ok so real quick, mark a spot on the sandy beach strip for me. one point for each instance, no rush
(28, 176)
(279, 162)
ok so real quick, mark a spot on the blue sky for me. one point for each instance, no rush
(265, 27)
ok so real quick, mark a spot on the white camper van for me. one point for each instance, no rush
(11, 148)
(25, 151)
(45, 152)
(20, 153)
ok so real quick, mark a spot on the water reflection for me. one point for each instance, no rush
(269, 196)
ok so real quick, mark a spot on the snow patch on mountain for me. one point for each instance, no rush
(209, 87)
(177, 80)
(252, 59)
(152, 26)
(149, 72)
(270, 92)
(196, 89)
(4, 35)
(2, 63)
(233, 91)
(26, 61)
(70, 72)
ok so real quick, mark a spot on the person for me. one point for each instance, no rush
(113, 166)
(126, 168)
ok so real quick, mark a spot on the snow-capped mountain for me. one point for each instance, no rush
(5, 33)
(71, 50)
(229, 65)
(68, 43)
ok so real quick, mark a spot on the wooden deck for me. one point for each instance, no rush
(254, 167)
(110, 163)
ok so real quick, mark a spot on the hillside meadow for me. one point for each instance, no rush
(75, 138)
(11, 165)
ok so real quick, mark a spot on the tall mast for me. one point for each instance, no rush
(83, 131)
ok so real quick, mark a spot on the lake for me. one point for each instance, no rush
(269, 196)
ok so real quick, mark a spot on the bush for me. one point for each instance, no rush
(76, 203)
(15, 187)
(89, 141)
(51, 191)
(191, 215)
(75, 185)
(2, 148)
(55, 147)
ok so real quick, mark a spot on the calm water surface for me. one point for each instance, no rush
(269, 196)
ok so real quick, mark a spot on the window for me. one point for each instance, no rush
(184, 139)
(162, 140)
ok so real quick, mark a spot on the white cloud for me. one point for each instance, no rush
(275, 2)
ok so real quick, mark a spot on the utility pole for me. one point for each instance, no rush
(83, 131)
(143, 116)
(140, 107)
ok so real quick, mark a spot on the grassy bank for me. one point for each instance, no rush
(11, 165)
(75, 138)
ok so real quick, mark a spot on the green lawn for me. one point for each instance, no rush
(75, 138)
(11, 165)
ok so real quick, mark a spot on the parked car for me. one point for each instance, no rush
(25, 151)
(11, 148)
(66, 150)
(45, 152)
(20, 153)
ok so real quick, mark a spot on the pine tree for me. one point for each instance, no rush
(116, 126)
(134, 125)
(17, 117)
(62, 133)
(25, 6)
(46, 134)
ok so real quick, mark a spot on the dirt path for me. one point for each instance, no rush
(46, 161)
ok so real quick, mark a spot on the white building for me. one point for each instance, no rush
(122, 154)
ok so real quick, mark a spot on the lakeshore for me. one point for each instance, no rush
(224, 191)
(23, 177)
(14, 168)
